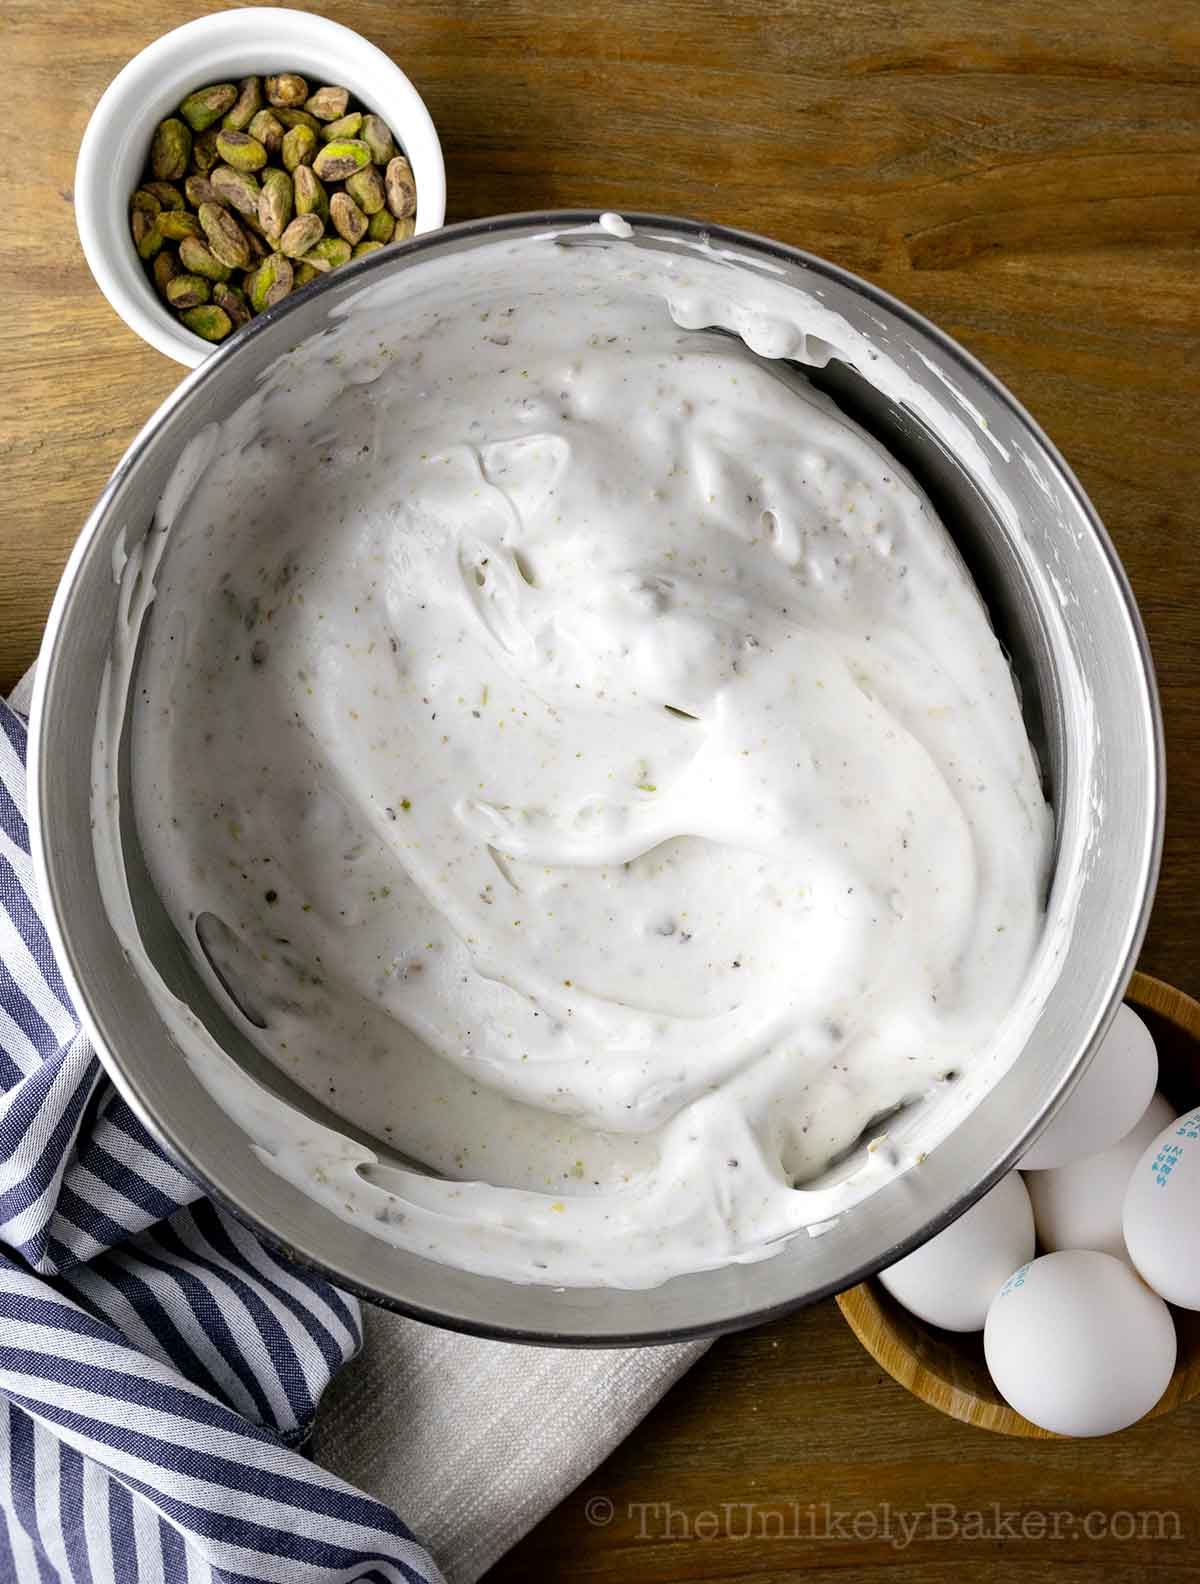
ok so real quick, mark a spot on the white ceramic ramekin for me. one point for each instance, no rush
(221, 48)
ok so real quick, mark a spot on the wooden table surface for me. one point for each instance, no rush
(1029, 177)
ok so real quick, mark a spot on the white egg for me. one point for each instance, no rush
(1162, 1212)
(1106, 1102)
(1080, 1205)
(951, 1280)
(1075, 1342)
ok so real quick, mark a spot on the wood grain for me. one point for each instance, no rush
(946, 1369)
(1029, 177)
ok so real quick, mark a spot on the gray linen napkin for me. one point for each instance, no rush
(20, 696)
(472, 1442)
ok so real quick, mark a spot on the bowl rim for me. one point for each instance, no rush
(238, 31)
(863, 1310)
(690, 230)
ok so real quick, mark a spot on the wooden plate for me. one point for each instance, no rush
(946, 1369)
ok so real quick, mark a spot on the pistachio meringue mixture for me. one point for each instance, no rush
(575, 752)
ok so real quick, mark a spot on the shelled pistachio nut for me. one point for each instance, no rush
(347, 126)
(225, 237)
(170, 150)
(164, 269)
(207, 105)
(289, 118)
(401, 188)
(245, 107)
(198, 190)
(348, 219)
(270, 283)
(199, 259)
(286, 88)
(328, 104)
(187, 291)
(367, 189)
(208, 321)
(330, 251)
(168, 195)
(175, 224)
(204, 152)
(299, 147)
(275, 203)
(232, 301)
(147, 234)
(268, 129)
(301, 234)
(377, 136)
(240, 150)
(341, 158)
(237, 189)
(309, 192)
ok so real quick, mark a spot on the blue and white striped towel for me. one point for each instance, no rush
(159, 1366)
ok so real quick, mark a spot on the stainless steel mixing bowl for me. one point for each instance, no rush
(1061, 606)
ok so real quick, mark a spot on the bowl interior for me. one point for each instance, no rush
(1012, 606)
(227, 46)
(1000, 574)
(1102, 641)
(946, 1369)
